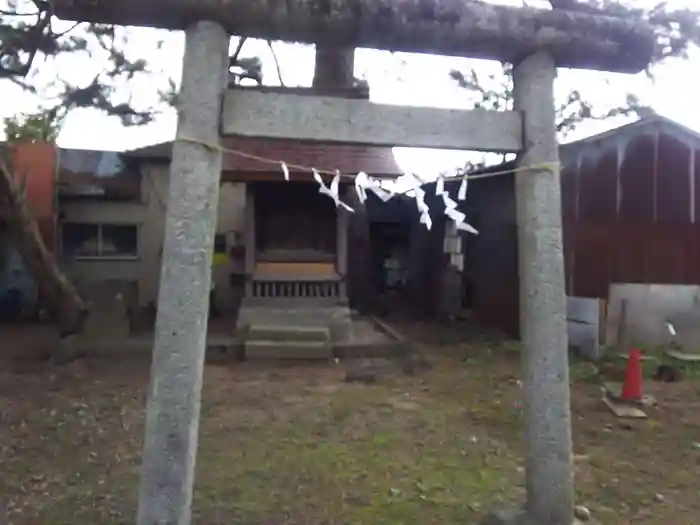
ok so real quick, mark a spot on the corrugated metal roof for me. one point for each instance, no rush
(653, 121)
(94, 173)
(96, 163)
(348, 158)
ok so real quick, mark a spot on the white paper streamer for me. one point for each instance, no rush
(439, 186)
(364, 183)
(457, 216)
(419, 196)
(423, 209)
(462, 193)
(380, 192)
(285, 171)
(332, 190)
(361, 183)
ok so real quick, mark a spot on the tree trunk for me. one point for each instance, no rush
(62, 299)
(454, 27)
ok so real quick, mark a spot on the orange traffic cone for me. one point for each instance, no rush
(632, 390)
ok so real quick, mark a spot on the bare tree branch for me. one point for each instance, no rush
(277, 63)
(234, 57)
(60, 295)
(25, 39)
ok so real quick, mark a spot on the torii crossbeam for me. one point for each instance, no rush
(443, 27)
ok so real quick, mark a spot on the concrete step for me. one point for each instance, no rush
(289, 333)
(294, 316)
(259, 349)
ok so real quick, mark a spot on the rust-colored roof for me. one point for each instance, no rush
(348, 158)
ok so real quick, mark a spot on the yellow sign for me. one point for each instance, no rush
(220, 259)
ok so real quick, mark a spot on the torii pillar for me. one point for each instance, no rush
(548, 457)
(549, 468)
(172, 416)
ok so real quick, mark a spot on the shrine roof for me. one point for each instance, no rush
(348, 158)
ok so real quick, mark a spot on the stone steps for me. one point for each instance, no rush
(261, 349)
(292, 316)
(268, 341)
(287, 332)
(303, 323)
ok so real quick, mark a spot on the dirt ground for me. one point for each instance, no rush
(296, 445)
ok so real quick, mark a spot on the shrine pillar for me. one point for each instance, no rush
(549, 469)
(172, 415)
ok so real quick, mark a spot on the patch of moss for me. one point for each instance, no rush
(358, 460)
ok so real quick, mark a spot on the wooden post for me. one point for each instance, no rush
(549, 468)
(249, 239)
(342, 246)
(172, 418)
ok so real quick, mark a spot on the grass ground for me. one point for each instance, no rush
(297, 445)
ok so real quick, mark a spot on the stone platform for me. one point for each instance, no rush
(313, 333)
(288, 342)
(336, 319)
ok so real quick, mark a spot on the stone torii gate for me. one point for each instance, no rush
(535, 41)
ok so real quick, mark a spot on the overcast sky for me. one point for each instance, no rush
(394, 78)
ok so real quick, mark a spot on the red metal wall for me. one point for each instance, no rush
(37, 162)
(630, 214)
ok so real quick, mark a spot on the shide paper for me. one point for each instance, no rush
(364, 184)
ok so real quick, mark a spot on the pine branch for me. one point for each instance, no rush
(277, 63)
(675, 30)
(25, 40)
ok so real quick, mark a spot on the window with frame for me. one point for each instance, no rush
(219, 243)
(90, 241)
